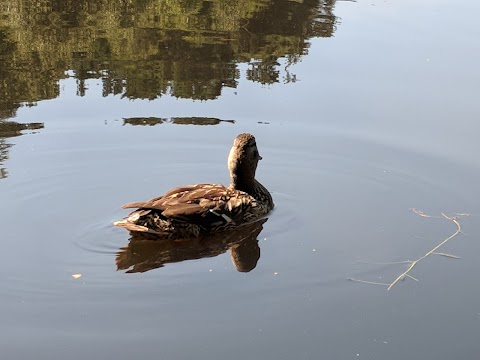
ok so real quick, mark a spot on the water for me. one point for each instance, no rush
(361, 110)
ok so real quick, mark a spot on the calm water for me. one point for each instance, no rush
(362, 111)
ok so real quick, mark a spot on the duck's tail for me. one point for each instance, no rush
(126, 224)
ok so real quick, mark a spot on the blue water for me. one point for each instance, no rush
(383, 118)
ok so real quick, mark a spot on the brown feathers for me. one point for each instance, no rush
(194, 209)
(196, 199)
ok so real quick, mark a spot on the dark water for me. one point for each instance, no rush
(362, 111)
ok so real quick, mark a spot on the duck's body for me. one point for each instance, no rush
(195, 210)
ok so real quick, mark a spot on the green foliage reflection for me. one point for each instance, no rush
(149, 48)
(10, 129)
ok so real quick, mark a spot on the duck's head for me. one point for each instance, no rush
(243, 158)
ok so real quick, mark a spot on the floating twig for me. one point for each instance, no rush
(385, 263)
(413, 263)
(420, 213)
(447, 255)
(368, 282)
(411, 277)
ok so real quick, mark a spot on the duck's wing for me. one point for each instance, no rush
(156, 203)
(200, 203)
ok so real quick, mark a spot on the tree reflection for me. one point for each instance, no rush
(149, 48)
(10, 129)
(192, 120)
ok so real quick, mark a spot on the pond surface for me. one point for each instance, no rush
(362, 111)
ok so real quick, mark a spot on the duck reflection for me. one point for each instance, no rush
(143, 253)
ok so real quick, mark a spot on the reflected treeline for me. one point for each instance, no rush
(144, 253)
(194, 120)
(10, 129)
(149, 48)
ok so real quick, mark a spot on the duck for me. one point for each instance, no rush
(191, 211)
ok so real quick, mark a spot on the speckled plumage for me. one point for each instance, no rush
(194, 210)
